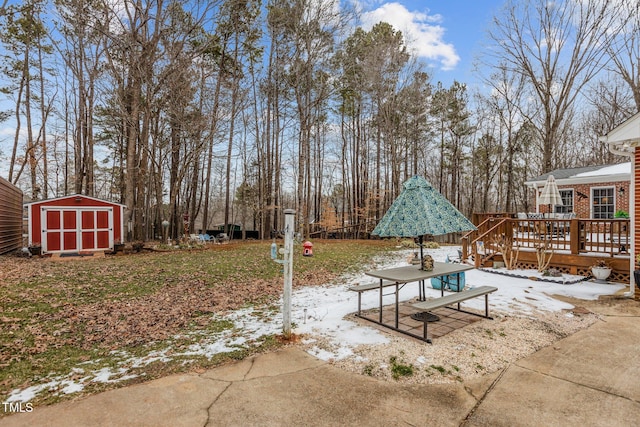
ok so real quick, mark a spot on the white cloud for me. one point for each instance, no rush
(421, 31)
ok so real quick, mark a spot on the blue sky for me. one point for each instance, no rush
(446, 33)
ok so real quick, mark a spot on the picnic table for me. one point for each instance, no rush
(396, 278)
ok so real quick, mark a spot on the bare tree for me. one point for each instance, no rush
(505, 103)
(557, 47)
(450, 107)
(610, 101)
(24, 36)
(372, 65)
(237, 30)
(624, 49)
(151, 48)
(82, 53)
(306, 30)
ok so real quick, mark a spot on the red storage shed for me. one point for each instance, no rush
(75, 224)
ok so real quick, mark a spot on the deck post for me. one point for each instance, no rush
(507, 229)
(574, 236)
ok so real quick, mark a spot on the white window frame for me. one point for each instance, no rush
(611, 203)
(562, 209)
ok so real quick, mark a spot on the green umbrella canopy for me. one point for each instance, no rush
(420, 209)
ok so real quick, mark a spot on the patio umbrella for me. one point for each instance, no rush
(550, 194)
(420, 209)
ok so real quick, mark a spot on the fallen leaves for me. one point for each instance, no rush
(54, 315)
(159, 315)
(127, 301)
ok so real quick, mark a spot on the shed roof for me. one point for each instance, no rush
(73, 196)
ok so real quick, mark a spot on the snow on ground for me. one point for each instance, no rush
(326, 307)
(319, 313)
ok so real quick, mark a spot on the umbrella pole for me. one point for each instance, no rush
(425, 316)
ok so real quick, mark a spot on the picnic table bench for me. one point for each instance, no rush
(367, 287)
(456, 298)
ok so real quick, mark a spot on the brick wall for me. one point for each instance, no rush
(582, 197)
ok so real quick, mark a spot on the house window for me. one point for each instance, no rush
(567, 202)
(602, 203)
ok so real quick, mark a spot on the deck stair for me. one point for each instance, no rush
(480, 243)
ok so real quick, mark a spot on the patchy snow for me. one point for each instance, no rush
(105, 375)
(319, 313)
(29, 393)
(71, 387)
(327, 306)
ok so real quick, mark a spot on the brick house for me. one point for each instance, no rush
(593, 192)
(624, 140)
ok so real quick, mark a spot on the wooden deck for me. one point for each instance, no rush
(577, 243)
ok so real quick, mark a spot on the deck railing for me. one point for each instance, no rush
(576, 236)
(597, 237)
(480, 243)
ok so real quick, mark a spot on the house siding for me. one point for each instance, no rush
(10, 217)
(582, 181)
